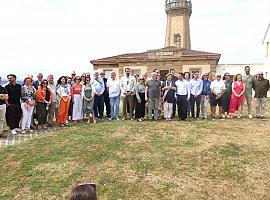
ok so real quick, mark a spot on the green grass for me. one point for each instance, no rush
(130, 160)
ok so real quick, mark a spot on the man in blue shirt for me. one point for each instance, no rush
(205, 95)
(196, 87)
(98, 89)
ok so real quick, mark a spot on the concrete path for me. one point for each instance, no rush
(19, 137)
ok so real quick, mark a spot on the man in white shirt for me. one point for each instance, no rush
(182, 96)
(218, 88)
(127, 84)
(113, 85)
(196, 87)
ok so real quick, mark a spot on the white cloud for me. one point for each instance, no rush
(60, 35)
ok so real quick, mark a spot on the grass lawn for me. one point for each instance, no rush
(130, 160)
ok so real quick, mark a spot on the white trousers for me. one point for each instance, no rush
(77, 112)
(204, 105)
(168, 109)
(2, 116)
(27, 116)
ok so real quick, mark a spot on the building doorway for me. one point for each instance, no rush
(163, 74)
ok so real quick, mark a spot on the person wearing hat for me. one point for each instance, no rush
(205, 95)
(28, 103)
(13, 111)
(3, 99)
(218, 89)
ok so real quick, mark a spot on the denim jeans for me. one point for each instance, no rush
(114, 102)
(99, 106)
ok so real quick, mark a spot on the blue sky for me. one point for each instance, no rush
(57, 36)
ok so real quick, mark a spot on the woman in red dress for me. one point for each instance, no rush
(237, 98)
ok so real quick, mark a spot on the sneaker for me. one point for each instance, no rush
(30, 130)
(110, 119)
(13, 132)
(39, 127)
(23, 131)
(18, 130)
(140, 120)
(250, 116)
(117, 118)
(123, 118)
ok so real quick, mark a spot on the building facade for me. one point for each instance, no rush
(177, 53)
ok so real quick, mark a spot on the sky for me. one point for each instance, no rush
(58, 36)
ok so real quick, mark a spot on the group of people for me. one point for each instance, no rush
(84, 97)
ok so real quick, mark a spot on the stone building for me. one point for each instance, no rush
(177, 53)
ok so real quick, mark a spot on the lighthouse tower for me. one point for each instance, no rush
(178, 32)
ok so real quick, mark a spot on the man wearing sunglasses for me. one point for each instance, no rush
(261, 87)
(217, 91)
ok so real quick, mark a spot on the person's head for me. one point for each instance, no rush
(127, 72)
(205, 76)
(181, 76)
(154, 76)
(247, 69)
(50, 78)
(145, 76)
(113, 75)
(260, 75)
(87, 80)
(156, 70)
(196, 75)
(226, 76)
(11, 78)
(136, 76)
(62, 80)
(96, 74)
(44, 83)
(88, 74)
(69, 80)
(172, 72)
(218, 76)
(169, 77)
(28, 81)
(73, 75)
(83, 192)
(77, 80)
(102, 75)
(158, 77)
(83, 76)
(141, 80)
(186, 75)
(40, 77)
(238, 77)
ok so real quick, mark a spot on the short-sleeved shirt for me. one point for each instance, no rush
(14, 93)
(218, 86)
(3, 91)
(248, 80)
(153, 88)
(261, 88)
(114, 87)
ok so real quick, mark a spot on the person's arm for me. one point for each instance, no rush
(4, 96)
(201, 88)
(244, 89)
(136, 88)
(233, 91)
(188, 91)
(103, 87)
(146, 93)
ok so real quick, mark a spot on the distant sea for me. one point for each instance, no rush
(5, 82)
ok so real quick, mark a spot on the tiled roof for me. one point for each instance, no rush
(144, 55)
